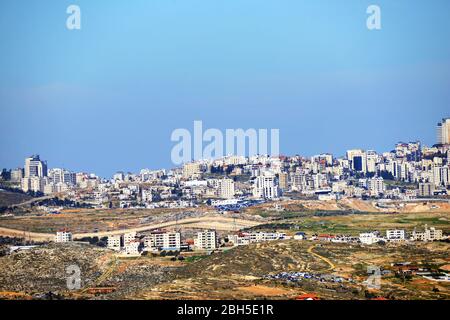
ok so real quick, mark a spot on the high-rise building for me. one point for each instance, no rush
(283, 180)
(34, 167)
(372, 158)
(265, 186)
(376, 186)
(358, 160)
(226, 189)
(443, 131)
(62, 176)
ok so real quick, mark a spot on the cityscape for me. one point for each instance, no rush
(216, 159)
(207, 207)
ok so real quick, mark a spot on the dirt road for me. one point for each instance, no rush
(205, 222)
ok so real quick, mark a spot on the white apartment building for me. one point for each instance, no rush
(441, 176)
(239, 240)
(63, 236)
(226, 189)
(163, 241)
(376, 186)
(206, 240)
(370, 237)
(58, 175)
(430, 234)
(265, 186)
(128, 237)
(395, 235)
(132, 248)
(114, 242)
(372, 160)
(34, 183)
(266, 236)
(34, 167)
(247, 238)
(357, 159)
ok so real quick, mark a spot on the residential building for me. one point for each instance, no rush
(358, 160)
(114, 242)
(17, 175)
(426, 189)
(429, 234)
(265, 186)
(191, 170)
(160, 240)
(376, 186)
(395, 235)
(34, 167)
(370, 237)
(63, 236)
(226, 189)
(443, 131)
(129, 237)
(132, 248)
(283, 179)
(206, 240)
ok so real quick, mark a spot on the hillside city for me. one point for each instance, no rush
(205, 207)
(235, 181)
(411, 171)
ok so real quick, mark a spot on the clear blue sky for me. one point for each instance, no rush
(107, 97)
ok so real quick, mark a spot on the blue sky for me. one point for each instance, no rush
(108, 96)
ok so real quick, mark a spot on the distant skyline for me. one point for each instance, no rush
(106, 98)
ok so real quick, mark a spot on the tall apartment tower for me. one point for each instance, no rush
(443, 131)
(226, 189)
(34, 167)
(358, 160)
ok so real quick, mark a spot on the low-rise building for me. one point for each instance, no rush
(163, 241)
(370, 237)
(63, 236)
(132, 248)
(429, 234)
(128, 237)
(114, 243)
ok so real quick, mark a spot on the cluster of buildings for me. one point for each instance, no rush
(37, 178)
(133, 244)
(399, 235)
(157, 241)
(423, 172)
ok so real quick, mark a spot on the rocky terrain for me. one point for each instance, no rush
(270, 270)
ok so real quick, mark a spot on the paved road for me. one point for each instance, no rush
(31, 201)
(213, 222)
(205, 222)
